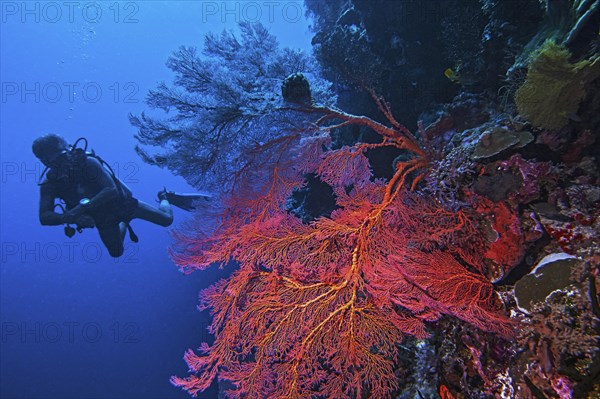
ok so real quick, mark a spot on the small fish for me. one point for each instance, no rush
(453, 76)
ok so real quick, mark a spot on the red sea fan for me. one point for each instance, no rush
(316, 309)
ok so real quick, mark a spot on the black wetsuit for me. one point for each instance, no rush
(84, 177)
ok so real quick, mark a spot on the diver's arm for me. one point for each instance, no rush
(101, 178)
(47, 215)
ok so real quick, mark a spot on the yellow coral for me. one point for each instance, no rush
(554, 87)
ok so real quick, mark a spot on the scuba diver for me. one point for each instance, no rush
(93, 196)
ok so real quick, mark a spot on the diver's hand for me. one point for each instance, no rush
(71, 216)
(85, 221)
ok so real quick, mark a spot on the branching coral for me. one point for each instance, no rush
(554, 87)
(221, 98)
(316, 310)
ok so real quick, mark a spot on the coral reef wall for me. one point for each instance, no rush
(413, 213)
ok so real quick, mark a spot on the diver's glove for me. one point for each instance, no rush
(77, 216)
(85, 222)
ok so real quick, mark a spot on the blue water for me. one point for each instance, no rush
(75, 322)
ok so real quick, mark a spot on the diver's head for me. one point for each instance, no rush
(49, 148)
